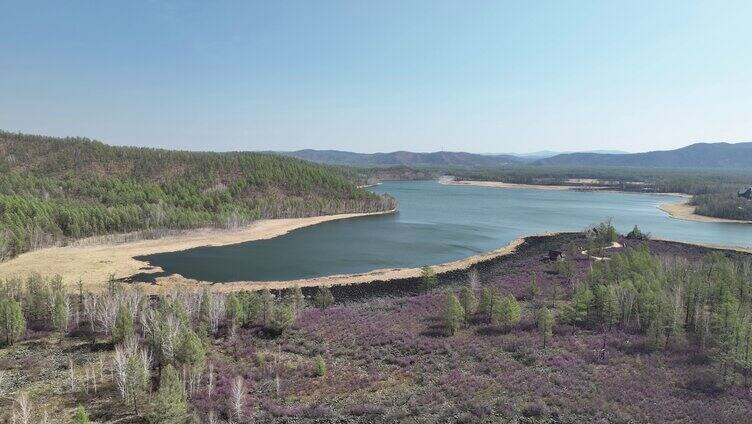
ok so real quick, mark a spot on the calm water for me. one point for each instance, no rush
(435, 224)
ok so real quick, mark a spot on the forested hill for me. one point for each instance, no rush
(700, 155)
(56, 189)
(337, 157)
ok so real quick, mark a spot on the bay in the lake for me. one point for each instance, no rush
(435, 224)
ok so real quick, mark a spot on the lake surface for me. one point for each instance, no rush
(435, 224)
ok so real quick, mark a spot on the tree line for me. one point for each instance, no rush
(713, 190)
(707, 303)
(658, 180)
(669, 301)
(723, 205)
(54, 190)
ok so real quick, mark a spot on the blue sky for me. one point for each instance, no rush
(379, 76)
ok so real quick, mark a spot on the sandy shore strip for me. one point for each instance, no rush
(717, 246)
(345, 279)
(499, 184)
(683, 210)
(93, 263)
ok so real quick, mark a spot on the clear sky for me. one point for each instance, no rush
(379, 75)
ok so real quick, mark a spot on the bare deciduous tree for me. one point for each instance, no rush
(71, 375)
(87, 378)
(163, 330)
(107, 309)
(3, 390)
(625, 298)
(238, 395)
(100, 368)
(216, 311)
(210, 382)
(146, 360)
(212, 418)
(119, 368)
(23, 413)
(90, 310)
(92, 373)
(473, 279)
(123, 352)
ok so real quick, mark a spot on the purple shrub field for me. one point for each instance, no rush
(388, 359)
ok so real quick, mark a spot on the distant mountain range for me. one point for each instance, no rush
(549, 153)
(700, 155)
(337, 157)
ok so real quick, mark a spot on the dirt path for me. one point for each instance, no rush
(614, 245)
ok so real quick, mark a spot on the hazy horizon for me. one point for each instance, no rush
(363, 77)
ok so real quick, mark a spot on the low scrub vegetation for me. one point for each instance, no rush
(650, 323)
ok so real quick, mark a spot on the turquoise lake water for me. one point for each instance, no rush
(437, 223)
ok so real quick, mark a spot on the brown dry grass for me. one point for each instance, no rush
(94, 263)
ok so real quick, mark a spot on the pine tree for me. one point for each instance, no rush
(428, 279)
(234, 311)
(37, 298)
(725, 322)
(745, 350)
(603, 306)
(12, 321)
(468, 301)
(170, 405)
(60, 313)
(591, 246)
(654, 333)
(485, 306)
(532, 290)
(81, 417)
(204, 306)
(545, 324)
(565, 268)
(319, 366)
(298, 300)
(577, 310)
(191, 351)
(506, 311)
(282, 318)
(137, 381)
(453, 314)
(251, 307)
(323, 298)
(123, 329)
(572, 251)
(266, 306)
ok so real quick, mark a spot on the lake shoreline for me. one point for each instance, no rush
(122, 255)
(383, 274)
(683, 210)
(500, 184)
(93, 262)
(677, 210)
(389, 275)
(548, 187)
